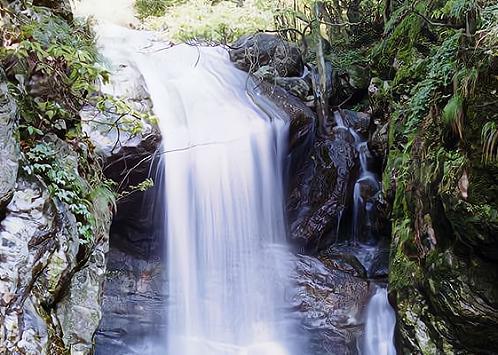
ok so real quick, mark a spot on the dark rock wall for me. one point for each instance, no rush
(444, 258)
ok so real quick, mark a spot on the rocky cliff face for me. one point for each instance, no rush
(444, 261)
(52, 262)
(50, 300)
(441, 181)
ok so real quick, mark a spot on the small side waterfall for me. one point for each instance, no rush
(365, 188)
(380, 319)
(380, 322)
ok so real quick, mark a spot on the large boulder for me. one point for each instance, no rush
(322, 189)
(251, 52)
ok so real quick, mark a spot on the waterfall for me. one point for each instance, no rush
(224, 206)
(380, 324)
(365, 187)
(225, 227)
(380, 318)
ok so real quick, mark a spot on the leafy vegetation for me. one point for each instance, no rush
(210, 21)
(147, 8)
(489, 137)
(59, 171)
(52, 68)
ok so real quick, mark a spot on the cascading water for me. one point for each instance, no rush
(223, 160)
(365, 186)
(380, 318)
(379, 329)
(224, 203)
(223, 155)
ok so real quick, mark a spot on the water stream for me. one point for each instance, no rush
(380, 318)
(379, 328)
(223, 156)
(223, 159)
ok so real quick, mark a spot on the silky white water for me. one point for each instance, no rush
(224, 206)
(380, 319)
(380, 323)
(223, 159)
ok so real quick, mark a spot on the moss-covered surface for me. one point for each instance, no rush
(434, 65)
(444, 256)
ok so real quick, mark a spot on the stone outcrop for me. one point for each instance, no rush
(252, 52)
(51, 284)
(329, 298)
(9, 148)
(50, 298)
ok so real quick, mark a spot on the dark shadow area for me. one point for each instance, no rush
(135, 290)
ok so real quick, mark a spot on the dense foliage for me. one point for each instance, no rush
(204, 20)
(52, 69)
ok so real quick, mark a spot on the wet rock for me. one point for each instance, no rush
(329, 301)
(297, 86)
(134, 303)
(320, 194)
(302, 119)
(379, 267)
(251, 52)
(368, 189)
(365, 261)
(358, 121)
(343, 262)
(9, 148)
